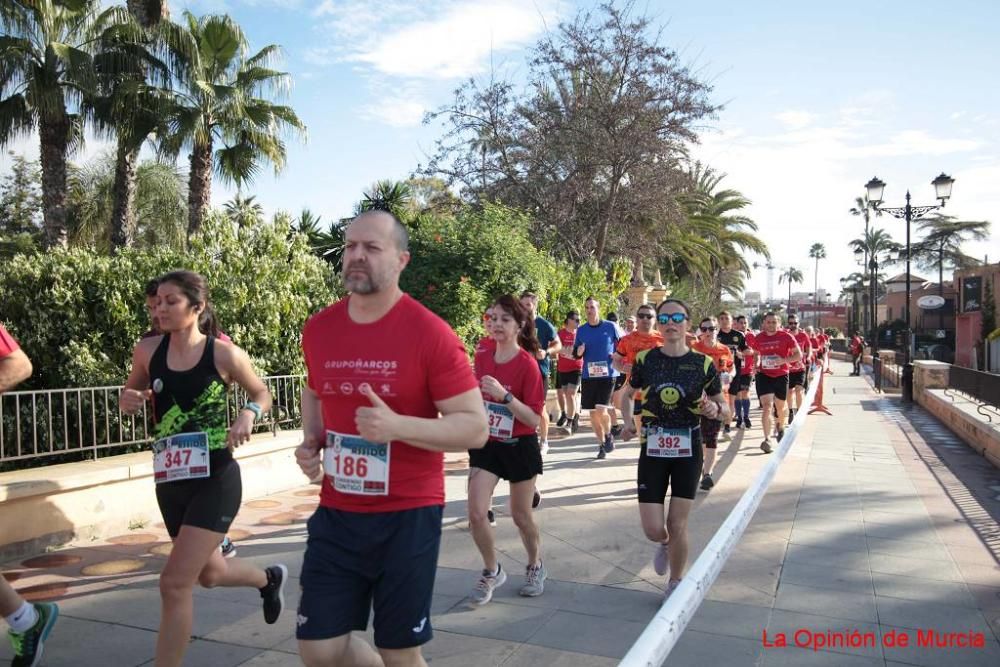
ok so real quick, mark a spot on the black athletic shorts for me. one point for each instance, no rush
(620, 382)
(210, 502)
(356, 560)
(596, 391)
(564, 378)
(769, 385)
(740, 383)
(681, 475)
(796, 379)
(515, 461)
(710, 432)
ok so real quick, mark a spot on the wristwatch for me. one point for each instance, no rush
(507, 398)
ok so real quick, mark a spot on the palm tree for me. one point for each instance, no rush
(791, 275)
(391, 196)
(862, 208)
(244, 211)
(943, 245)
(817, 251)
(714, 216)
(148, 12)
(46, 72)
(226, 102)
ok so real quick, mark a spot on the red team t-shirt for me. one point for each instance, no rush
(7, 343)
(802, 338)
(748, 354)
(564, 365)
(520, 377)
(779, 344)
(410, 358)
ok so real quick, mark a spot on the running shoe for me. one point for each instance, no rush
(616, 430)
(609, 443)
(491, 517)
(28, 645)
(562, 420)
(739, 422)
(661, 558)
(600, 452)
(227, 547)
(766, 445)
(536, 499)
(488, 582)
(545, 448)
(791, 415)
(746, 423)
(671, 585)
(725, 429)
(536, 576)
(576, 424)
(706, 482)
(781, 434)
(273, 593)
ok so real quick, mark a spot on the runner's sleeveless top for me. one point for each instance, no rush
(189, 401)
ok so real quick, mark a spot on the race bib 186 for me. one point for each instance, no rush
(501, 420)
(181, 456)
(668, 443)
(598, 369)
(355, 465)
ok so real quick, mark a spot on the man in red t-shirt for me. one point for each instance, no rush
(776, 350)
(389, 390)
(797, 370)
(30, 624)
(568, 370)
(857, 347)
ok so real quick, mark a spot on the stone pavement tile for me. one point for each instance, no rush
(980, 574)
(986, 597)
(459, 650)
(747, 587)
(841, 579)
(72, 644)
(656, 586)
(703, 648)
(789, 622)
(914, 654)
(909, 549)
(495, 620)
(923, 590)
(924, 616)
(587, 634)
(527, 655)
(730, 619)
(201, 652)
(822, 524)
(854, 541)
(909, 531)
(603, 601)
(827, 513)
(914, 567)
(827, 557)
(800, 657)
(978, 554)
(826, 602)
(273, 659)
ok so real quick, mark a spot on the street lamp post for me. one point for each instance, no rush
(942, 192)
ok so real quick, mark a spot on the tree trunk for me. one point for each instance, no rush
(54, 135)
(199, 186)
(123, 221)
(602, 228)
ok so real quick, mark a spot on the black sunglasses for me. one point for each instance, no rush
(707, 328)
(645, 316)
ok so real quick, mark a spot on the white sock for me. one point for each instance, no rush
(23, 619)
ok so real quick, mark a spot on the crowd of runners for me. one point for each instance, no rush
(380, 410)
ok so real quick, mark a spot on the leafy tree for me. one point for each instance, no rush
(244, 211)
(47, 72)
(593, 148)
(226, 101)
(863, 209)
(20, 198)
(790, 275)
(943, 240)
(713, 214)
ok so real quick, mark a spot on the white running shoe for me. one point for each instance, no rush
(488, 582)
(661, 558)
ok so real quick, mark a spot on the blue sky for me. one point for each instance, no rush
(819, 97)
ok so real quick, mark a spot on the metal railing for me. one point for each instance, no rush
(60, 425)
(885, 375)
(982, 388)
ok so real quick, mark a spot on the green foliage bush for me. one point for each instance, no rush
(461, 263)
(78, 313)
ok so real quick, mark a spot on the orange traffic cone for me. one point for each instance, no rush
(817, 405)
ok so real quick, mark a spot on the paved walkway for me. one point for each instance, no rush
(879, 520)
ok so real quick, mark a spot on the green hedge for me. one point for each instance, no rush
(78, 313)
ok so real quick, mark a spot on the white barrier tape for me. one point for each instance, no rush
(663, 632)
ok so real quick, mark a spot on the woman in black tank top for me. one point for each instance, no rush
(185, 374)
